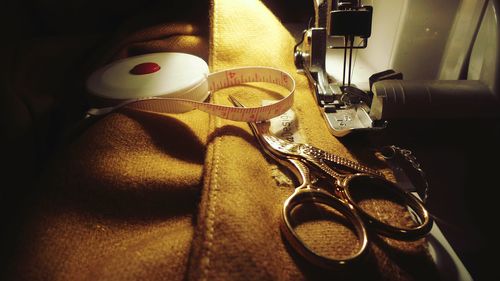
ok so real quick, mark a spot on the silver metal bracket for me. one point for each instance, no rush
(344, 107)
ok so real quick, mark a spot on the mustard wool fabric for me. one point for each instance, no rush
(140, 196)
(238, 235)
(120, 201)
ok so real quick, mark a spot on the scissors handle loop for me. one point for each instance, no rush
(378, 185)
(415, 206)
(315, 196)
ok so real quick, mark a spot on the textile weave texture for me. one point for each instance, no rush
(142, 196)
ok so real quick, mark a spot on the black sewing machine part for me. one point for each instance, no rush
(437, 99)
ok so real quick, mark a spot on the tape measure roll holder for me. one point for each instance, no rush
(178, 82)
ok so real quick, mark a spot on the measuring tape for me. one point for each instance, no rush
(178, 82)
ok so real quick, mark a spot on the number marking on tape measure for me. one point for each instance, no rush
(214, 82)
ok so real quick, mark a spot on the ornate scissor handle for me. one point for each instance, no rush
(314, 154)
(317, 196)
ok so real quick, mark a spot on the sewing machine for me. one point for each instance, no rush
(371, 62)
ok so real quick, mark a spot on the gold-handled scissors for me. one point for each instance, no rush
(302, 159)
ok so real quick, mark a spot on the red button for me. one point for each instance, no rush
(145, 68)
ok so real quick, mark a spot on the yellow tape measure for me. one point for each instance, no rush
(177, 82)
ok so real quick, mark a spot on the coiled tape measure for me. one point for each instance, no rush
(177, 82)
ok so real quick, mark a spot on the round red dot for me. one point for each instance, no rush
(145, 68)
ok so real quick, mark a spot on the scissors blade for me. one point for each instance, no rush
(314, 154)
(286, 149)
(263, 139)
(255, 130)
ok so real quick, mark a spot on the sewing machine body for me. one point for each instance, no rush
(443, 56)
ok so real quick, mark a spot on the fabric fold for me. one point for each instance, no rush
(238, 233)
(139, 196)
(119, 202)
